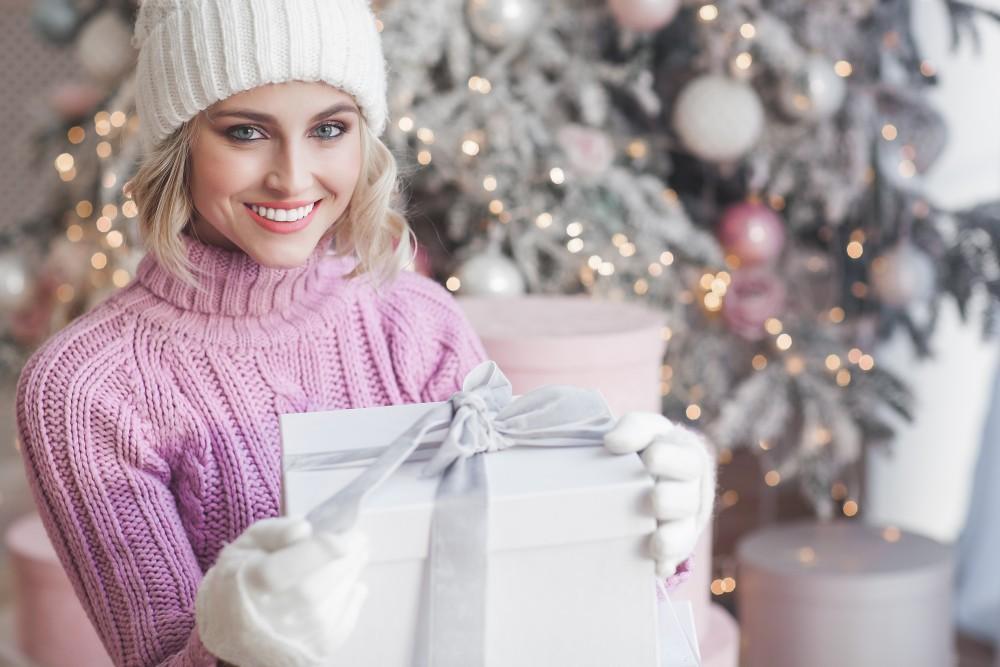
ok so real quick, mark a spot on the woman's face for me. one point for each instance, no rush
(283, 147)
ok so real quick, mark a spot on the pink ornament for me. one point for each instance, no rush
(589, 151)
(643, 15)
(755, 295)
(72, 100)
(752, 232)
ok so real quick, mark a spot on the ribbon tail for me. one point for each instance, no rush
(339, 512)
(456, 614)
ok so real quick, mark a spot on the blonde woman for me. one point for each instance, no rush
(271, 284)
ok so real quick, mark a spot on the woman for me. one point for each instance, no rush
(271, 285)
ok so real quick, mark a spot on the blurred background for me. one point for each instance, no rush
(807, 193)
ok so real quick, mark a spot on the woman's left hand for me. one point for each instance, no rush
(684, 494)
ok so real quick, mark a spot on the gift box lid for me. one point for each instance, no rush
(559, 332)
(842, 560)
(537, 496)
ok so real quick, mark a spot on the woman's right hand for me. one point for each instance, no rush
(282, 595)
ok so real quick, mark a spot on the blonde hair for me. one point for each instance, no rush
(371, 228)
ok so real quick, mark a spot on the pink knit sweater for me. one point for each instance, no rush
(149, 425)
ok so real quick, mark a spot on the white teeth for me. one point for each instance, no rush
(281, 214)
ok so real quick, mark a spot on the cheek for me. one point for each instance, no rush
(219, 174)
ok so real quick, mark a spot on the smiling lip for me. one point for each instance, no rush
(283, 204)
(283, 227)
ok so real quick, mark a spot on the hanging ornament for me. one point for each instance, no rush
(104, 48)
(72, 100)
(56, 20)
(814, 92)
(754, 296)
(903, 275)
(13, 279)
(752, 232)
(718, 118)
(501, 22)
(643, 15)
(589, 151)
(490, 273)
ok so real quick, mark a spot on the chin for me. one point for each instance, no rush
(282, 258)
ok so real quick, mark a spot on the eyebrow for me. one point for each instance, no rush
(265, 118)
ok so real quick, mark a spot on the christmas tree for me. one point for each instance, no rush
(752, 168)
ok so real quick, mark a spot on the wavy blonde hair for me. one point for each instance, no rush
(372, 228)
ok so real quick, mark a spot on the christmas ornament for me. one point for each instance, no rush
(104, 48)
(752, 232)
(814, 92)
(72, 100)
(501, 22)
(643, 15)
(754, 296)
(56, 20)
(718, 118)
(490, 274)
(589, 151)
(903, 275)
(13, 280)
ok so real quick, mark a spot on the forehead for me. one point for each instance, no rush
(288, 99)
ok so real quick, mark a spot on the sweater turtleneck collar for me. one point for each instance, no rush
(234, 284)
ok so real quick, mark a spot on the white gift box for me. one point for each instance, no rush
(569, 580)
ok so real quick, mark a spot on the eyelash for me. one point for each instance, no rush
(340, 126)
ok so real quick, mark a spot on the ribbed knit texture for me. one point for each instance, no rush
(193, 53)
(149, 425)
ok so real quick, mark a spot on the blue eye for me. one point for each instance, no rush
(232, 132)
(341, 130)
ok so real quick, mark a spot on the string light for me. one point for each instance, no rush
(594, 262)
(927, 69)
(480, 85)
(109, 179)
(772, 478)
(120, 277)
(795, 364)
(907, 169)
(99, 260)
(843, 68)
(110, 210)
(666, 333)
(470, 147)
(405, 123)
(103, 224)
(759, 362)
(557, 176)
(637, 149)
(605, 269)
(764, 445)
(666, 258)
(574, 245)
(641, 286)
(496, 207)
(490, 183)
(713, 302)
(693, 412)
(807, 555)
(626, 249)
(426, 135)
(859, 289)
(843, 377)
(65, 293)
(453, 283)
(74, 233)
(84, 208)
(544, 220)
(836, 315)
(854, 355)
(773, 326)
(76, 134)
(655, 269)
(850, 508)
(747, 31)
(574, 228)
(708, 12)
(424, 157)
(838, 491)
(64, 162)
(855, 250)
(744, 60)
(118, 118)
(866, 362)
(832, 362)
(728, 585)
(725, 456)
(889, 132)
(730, 498)
(783, 342)
(891, 534)
(670, 196)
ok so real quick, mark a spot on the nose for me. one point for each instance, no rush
(291, 172)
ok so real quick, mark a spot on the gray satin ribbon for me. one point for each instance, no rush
(483, 417)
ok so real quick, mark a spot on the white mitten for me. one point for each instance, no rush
(282, 595)
(684, 493)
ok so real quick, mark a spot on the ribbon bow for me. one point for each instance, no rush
(482, 417)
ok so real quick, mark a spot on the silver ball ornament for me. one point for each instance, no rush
(13, 280)
(815, 92)
(718, 118)
(903, 275)
(490, 274)
(501, 22)
(104, 47)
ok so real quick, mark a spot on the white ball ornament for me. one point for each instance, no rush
(718, 118)
(490, 274)
(815, 92)
(903, 275)
(104, 47)
(13, 280)
(501, 22)
(643, 15)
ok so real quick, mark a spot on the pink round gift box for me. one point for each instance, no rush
(844, 593)
(616, 348)
(50, 625)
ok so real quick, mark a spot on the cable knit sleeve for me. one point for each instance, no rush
(432, 343)
(103, 493)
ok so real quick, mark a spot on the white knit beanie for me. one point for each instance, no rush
(193, 53)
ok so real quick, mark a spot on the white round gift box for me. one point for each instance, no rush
(844, 593)
(50, 625)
